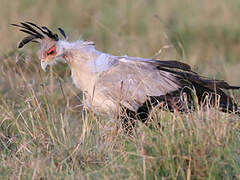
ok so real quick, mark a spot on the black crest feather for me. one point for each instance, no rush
(62, 32)
(34, 32)
(26, 40)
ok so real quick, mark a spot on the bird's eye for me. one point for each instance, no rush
(51, 51)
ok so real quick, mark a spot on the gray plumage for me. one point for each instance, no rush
(111, 83)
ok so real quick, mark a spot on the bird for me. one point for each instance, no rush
(129, 86)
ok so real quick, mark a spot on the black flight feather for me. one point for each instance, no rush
(173, 64)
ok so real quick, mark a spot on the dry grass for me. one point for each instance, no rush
(44, 134)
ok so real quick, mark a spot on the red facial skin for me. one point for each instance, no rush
(51, 51)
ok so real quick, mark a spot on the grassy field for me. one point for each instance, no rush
(44, 132)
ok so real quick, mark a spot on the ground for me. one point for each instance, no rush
(44, 132)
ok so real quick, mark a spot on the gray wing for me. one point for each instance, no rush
(130, 80)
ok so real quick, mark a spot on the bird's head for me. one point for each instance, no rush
(50, 48)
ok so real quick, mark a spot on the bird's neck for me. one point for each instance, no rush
(80, 51)
(78, 55)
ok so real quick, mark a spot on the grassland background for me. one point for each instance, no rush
(43, 134)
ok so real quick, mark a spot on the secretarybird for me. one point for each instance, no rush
(115, 84)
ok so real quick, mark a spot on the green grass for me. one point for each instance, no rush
(44, 133)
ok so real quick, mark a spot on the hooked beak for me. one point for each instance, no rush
(44, 64)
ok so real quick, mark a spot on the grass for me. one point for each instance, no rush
(44, 132)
